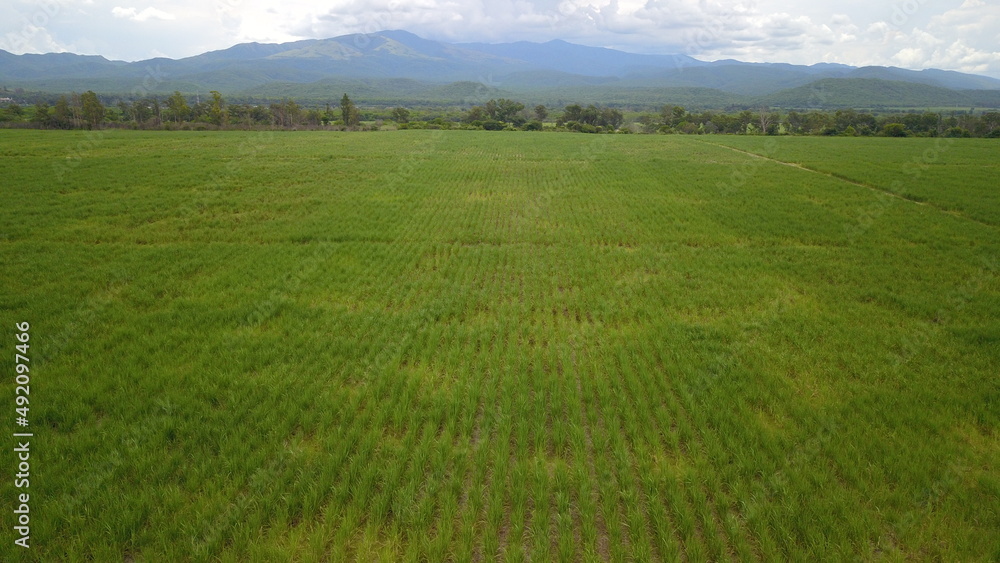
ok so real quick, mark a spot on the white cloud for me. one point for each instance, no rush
(912, 33)
(962, 39)
(135, 15)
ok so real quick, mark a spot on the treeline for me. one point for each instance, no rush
(87, 111)
(847, 122)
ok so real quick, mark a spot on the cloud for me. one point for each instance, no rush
(145, 15)
(962, 39)
(956, 35)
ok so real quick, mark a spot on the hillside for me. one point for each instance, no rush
(398, 66)
(877, 93)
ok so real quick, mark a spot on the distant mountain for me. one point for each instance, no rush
(398, 66)
(566, 57)
(874, 93)
(736, 78)
(932, 77)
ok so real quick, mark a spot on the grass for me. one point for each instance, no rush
(475, 346)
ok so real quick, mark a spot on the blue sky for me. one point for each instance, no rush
(950, 34)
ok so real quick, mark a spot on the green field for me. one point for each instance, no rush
(474, 346)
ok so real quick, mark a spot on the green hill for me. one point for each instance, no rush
(876, 93)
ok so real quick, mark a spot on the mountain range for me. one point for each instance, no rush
(400, 67)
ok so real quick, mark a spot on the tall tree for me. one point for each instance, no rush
(766, 119)
(125, 111)
(141, 111)
(62, 115)
(349, 112)
(41, 114)
(15, 111)
(475, 113)
(988, 123)
(156, 111)
(217, 110)
(400, 115)
(573, 112)
(178, 107)
(503, 109)
(611, 118)
(92, 110)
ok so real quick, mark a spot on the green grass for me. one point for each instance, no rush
(477, 346)
(948, 174)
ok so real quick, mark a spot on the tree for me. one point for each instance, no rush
(503, 109)
(199, 112)
(541, 112)
(313, 117)
(765, 119)
(157, 111)
(894, 130)
(62, 115)
(572, 113)
(125, 110)
(41, 114)
(349, 112)
(746, 118)
(141, 111)
(611, 118)
(401, 115)
(988, 123)
(475, 113)
(14, 110)
(75, 106)
(286, 113)
(673, 115)
(178, 107)
(794, 121)
(590, 115)
(217, 114)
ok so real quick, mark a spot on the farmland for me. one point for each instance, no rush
(474, 346)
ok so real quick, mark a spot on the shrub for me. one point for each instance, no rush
(895, 130)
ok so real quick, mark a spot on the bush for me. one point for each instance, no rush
(957, 133)
(895, 130)
(533, 126)
(493, 125)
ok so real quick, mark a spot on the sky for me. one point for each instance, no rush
(948, 34)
